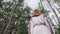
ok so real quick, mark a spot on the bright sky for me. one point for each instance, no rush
(7, 0)
(32, 3)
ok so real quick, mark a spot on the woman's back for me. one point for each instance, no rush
(38, 19)
(39, 24)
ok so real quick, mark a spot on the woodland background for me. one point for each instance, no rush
(14, 17)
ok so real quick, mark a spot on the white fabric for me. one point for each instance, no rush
(41, 29)
(38, 19)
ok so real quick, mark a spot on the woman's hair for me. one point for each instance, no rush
(35, 13)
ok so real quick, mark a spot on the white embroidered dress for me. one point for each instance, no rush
(39, 29)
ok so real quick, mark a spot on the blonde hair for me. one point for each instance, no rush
(35, 13)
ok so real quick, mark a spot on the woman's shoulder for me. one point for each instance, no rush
(33, 18)
(42, 15)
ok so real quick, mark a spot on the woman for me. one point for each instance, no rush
(39, 24)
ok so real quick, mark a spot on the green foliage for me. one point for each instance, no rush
(58, 29)
(57, 0)
(44, 11)
(0, 3)
(21, 27)
(17, 13)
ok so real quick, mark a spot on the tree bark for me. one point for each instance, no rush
(9, 27)
(54, 10)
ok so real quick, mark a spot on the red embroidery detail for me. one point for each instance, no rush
(37, 25)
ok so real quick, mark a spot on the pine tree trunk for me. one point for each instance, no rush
(9, 27)
(13, 31)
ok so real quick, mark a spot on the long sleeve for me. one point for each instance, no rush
(49, 25)
(30, 27)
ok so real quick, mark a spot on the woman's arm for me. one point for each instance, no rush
(48, 24)
(30, 27)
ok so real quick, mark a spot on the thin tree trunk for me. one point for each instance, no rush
(9, 27)
(13, 31)
(54, 11)
(11, 23)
